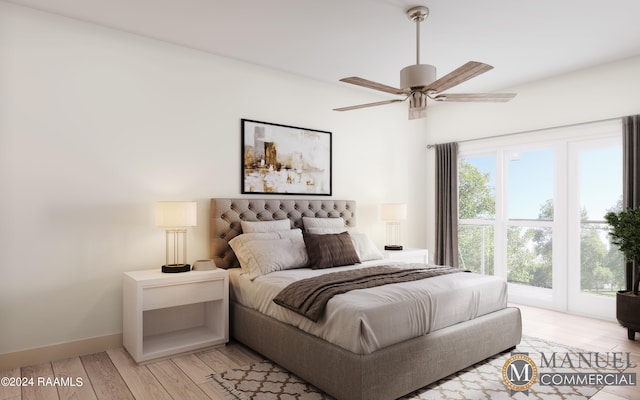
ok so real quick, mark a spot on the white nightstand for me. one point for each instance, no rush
(408, 255)
(166, 314)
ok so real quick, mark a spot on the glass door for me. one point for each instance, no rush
(531, 226)
(597, 267)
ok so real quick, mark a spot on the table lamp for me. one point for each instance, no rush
(393, 213)
(176, 216)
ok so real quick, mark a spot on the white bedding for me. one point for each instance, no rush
(363, 321)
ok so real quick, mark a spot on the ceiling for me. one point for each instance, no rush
(330, 39)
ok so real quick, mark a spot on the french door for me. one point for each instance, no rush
(532, 224)
(595, 188)
(532, 211)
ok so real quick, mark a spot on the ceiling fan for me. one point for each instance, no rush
(418, 82)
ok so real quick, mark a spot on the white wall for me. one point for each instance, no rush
(598, 93)
(96, 125)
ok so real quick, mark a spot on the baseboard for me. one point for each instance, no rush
(59, 351)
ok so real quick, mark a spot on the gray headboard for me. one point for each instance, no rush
(226, 215)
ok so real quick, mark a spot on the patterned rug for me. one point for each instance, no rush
(267, 381)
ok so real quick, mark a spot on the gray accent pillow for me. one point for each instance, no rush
(330, 250)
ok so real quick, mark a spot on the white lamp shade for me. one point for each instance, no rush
(393, 212)
(176, 213)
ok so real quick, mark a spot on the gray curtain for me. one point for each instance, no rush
(446, 251)
(631, 167)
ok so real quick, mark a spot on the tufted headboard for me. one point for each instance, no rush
(226, 215)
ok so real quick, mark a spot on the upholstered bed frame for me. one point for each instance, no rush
(385, 374)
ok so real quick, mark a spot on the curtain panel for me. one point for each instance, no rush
(446, 251)
(631, 174)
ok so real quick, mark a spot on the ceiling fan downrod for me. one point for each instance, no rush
(418, 75)
(418, 14)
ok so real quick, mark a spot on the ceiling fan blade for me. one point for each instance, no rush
(495, 97)
(354, 80)
(456, 77)
(377, 103)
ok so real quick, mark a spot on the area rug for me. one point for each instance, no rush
(267, 381)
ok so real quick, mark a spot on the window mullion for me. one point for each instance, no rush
(500, 230)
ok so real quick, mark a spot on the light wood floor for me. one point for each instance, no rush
(114, 375)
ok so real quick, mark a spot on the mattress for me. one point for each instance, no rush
(365, 320)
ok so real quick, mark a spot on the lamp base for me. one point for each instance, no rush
(174, 268)
(394, 247)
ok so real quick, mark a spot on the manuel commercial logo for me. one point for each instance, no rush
(520, 372)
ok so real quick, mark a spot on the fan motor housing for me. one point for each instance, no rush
(418, 75)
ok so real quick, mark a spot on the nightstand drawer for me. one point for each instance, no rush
(180, 294)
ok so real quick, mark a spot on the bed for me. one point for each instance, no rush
(372, 365)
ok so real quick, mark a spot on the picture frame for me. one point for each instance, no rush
(285, 160)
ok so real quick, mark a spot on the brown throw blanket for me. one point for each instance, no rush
(309, 297)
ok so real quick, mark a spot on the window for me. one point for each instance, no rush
(477, 206)
(531, 209)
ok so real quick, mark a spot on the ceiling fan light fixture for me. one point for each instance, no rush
(417, 75)
(417, 105)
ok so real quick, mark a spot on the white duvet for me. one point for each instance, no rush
(365, 320)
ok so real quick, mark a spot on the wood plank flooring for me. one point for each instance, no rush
(114, 375)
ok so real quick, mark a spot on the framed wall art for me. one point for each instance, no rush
(281, 159)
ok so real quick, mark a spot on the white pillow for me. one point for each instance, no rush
(265, 226)
(239, 242)
(261, 253)
(325, 231)
(268, 256)
(365, 247)
(324, 226)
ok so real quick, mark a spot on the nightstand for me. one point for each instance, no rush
(166, 314)
(408, 255)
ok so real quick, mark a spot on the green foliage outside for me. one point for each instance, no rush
(529, 249)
